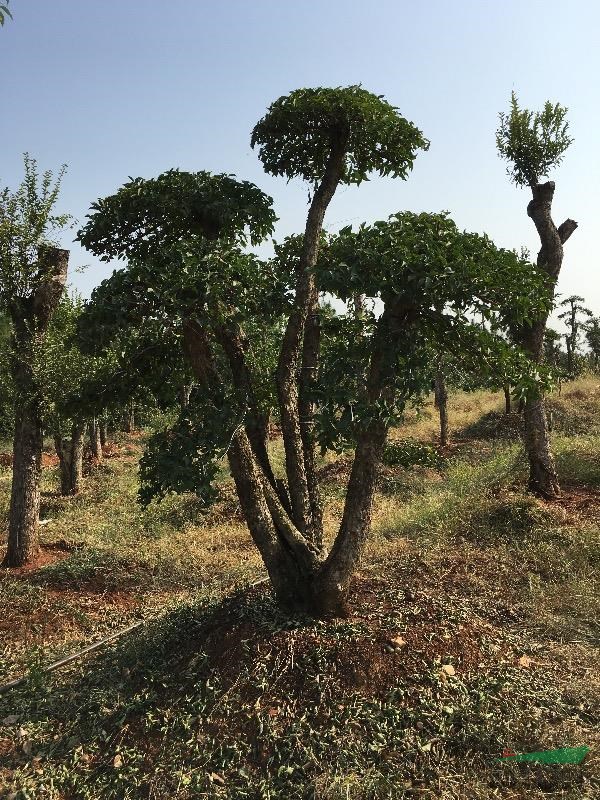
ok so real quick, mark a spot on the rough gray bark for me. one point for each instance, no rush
(308, 376)
(543, 479)
(70, 456)
(290, 357)
(24, 510)
(287, 556)
(30, 317)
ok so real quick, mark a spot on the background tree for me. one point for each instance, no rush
(33, 272)
(69, 379)
(64, 370)
(592, 337)
(553, 355)
(440, 394)
(571, 316)
(533, 144)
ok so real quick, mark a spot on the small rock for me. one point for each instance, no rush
(11, 719)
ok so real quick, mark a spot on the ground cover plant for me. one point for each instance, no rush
(475, 628)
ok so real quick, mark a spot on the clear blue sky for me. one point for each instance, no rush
(132, 87)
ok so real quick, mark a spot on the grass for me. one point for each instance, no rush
(475, 628)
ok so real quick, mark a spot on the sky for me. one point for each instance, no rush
(123, 88)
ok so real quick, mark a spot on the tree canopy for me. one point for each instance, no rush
(532, 142)
(295, 137)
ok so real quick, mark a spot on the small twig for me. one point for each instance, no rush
(68, 659)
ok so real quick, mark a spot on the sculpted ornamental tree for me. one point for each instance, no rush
(533, 144)
(254, 333)
(33, 273)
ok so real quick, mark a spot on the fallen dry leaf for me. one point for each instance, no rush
(448, 669)
(216, 778)
(525, 661)
(117, 761)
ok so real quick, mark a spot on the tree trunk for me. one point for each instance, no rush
(30, 317)
(300, 576)
(102, 428)
(441, 403)
(507, 399)
(95, 440)
(23, 520)
(185, 390)
(292, 347)
(129, 420)
(306, 410)
(331, 586)
(70, 456)
(543, 479)
(569, 357)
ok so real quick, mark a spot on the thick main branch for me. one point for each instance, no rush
(292, 345)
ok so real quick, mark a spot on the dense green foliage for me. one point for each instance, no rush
(149, 218)
(27, 221)
(532, 143)
(295, 137)
(439, 277)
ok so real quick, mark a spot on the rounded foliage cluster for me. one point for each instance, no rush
(296, 136)
(146, 217)
(430, 264)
